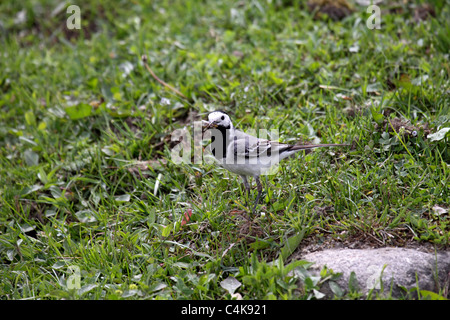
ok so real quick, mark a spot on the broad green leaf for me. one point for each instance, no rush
(10, 254)
(85, 216)
(92, 83)
(166, 230)
(438, 135)
(31, 158)
(157, 287)
(335, 289)
(123, 198)
(56, 192)
(86, 288)
(183, 288)
(353, 282)
(291, 244)
(230, 284)
(374, 87)
(30, 119)
(28, 190)
(318, 294)
(431, 295)
(79, 111)
(404, 82)
(42, 176)
(151, 216)
(61, 294)
(260, 244)
(182, 265)
(42, 126)
(377, 117)
(298, 264)
(200, 254)
(130, 293)
(26, 227)
(59, 264)
(111, 149)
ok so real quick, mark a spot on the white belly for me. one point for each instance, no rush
(249, 167)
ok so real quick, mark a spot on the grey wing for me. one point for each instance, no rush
(251, 147)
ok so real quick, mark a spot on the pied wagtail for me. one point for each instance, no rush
(247, 155)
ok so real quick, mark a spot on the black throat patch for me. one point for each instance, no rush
(219, 141)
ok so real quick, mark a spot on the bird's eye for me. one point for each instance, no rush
(222, 117)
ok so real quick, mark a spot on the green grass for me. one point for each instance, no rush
(85, 169)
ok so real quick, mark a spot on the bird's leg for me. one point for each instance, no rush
(259, 186)
(247, 188)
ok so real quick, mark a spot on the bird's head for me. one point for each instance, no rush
(218, 119)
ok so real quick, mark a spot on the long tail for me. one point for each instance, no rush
(312, 146)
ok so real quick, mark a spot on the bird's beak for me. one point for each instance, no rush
(207, 125)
